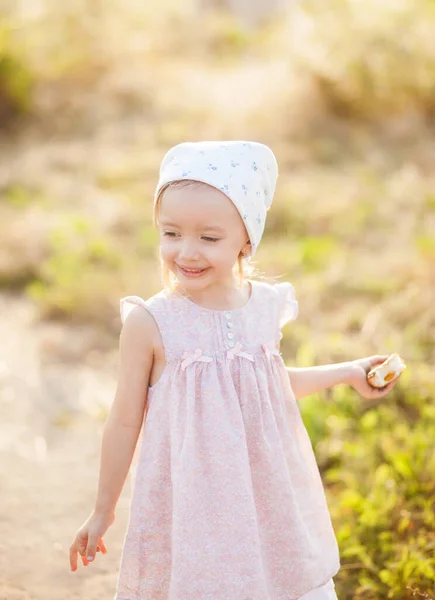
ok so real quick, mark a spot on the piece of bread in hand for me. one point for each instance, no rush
(380, 375)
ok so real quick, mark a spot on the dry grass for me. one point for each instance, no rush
(370, 60)
(352, 214)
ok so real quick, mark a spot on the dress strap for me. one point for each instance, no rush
(176, 323)
(127, 304)
(288, 305)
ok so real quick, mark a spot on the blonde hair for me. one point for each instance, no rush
(168, 279)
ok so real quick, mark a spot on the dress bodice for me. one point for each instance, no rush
(186, 327)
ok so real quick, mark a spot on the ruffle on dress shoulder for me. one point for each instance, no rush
(289, 306)
(127, 304)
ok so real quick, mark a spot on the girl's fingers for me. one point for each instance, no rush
(102, 545)
(387, 387)
(376, 360)
(73, 558)
(75, 550)
(74, 553)
(80, 547)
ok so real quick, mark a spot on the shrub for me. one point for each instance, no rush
(368, 59)
(15, 79)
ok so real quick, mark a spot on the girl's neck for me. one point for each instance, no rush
(221, 296)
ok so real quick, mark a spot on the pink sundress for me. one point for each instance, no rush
(228, 502)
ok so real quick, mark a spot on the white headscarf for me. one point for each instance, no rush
(245, 171)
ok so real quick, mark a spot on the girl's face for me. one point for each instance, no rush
(201, 235)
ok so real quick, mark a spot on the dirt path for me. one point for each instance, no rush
(49, 457)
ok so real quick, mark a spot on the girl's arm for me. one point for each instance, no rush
(309, 380)
(123, 425)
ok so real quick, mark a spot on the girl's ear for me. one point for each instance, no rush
(246, 250)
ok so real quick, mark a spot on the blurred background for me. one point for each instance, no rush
(92, 94)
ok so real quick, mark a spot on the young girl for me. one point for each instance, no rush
(228, 503)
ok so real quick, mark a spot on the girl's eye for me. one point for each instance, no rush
(173, 234)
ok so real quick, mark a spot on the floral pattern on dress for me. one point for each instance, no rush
(227, 499)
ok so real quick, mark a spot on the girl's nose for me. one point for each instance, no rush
(189, 250)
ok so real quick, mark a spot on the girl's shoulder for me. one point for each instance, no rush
(128, 303)
(283, 294)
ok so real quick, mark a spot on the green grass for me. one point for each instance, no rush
(16, 77)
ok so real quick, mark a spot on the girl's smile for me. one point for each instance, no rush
(192, 273)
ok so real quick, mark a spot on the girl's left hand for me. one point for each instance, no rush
(358, 377)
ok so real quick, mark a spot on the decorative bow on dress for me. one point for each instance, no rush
(236, 351)
(270, 349)
(194, 356)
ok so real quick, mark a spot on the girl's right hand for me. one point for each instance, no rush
(89, 539)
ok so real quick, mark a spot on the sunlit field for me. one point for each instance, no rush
(92, 95)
